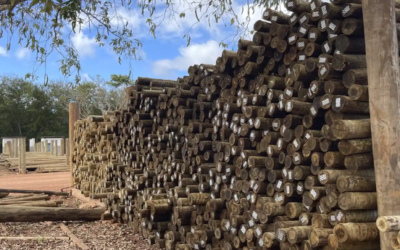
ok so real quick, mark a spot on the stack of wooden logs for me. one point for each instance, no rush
(95, 150)
(268, 148)
(37, 206)
(31, 200)
(38, 162)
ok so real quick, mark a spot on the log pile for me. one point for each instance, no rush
(33, 200)
(270, 148)
(38, 207)
(38, 162)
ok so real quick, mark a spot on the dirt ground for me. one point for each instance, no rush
(36, 181)
(96, 235)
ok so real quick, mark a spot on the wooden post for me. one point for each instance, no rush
(73, 117)
(22, 160)
(9, 148)
(46, 146)
(67, 150)
(383, 83)
(62, 147)
(15, 148)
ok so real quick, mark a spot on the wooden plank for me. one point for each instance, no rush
(383, 81)
(72, 236)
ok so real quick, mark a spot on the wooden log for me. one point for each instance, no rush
(388, 223)
(357, 201)
(75, 239)
(355, 184)
(33, 192)
(36, 214)
(367, 245)
(351, 129)
(3, 194)
(355, 232)
(35, 204)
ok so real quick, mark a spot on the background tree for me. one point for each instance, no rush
(46, 26)
(120, 80)
(34, 110)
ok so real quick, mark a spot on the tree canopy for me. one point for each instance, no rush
(33, 110)
(46, 26)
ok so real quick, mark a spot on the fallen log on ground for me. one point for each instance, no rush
(21, 191)
(38, 214)
(35, 204)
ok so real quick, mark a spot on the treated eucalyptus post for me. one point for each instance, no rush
(73, 117)
(15, 148)
(383, 81)
(22, 159)
(9, 148)
(67, 150)
(62, 147)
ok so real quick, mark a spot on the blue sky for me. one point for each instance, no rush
(165, 56)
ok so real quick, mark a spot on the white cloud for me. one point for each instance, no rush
(23, 53)
(206, 53)
(3, 51)
(86, 77)
(136, 21)
(83, 44)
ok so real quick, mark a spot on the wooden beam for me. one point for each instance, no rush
(72, 236)
(383, 83)
(73, 117)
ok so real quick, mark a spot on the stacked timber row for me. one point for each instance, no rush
(270, 148)
(94, 151)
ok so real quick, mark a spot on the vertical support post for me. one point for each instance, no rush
(20, 156)
(15, 146)
(22, 160)
(383, 87)
(9, 148)
(67, 150)
(62, 147)
(73, 117)
(23, 152)
(46, 146)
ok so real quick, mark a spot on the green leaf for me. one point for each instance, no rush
(34, 2)
(182, 15)
(232, 21)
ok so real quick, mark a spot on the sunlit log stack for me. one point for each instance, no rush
(270, 148)
(94, 151)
